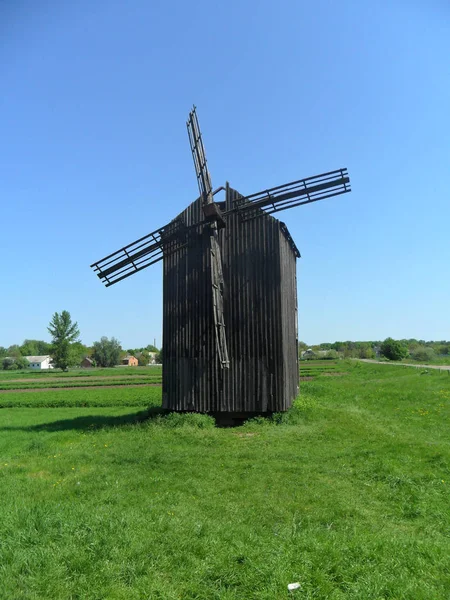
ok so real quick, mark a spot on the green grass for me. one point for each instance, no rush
(436, 360)
(82, 383)
(347, 493)
(153, 371)
(148, 396)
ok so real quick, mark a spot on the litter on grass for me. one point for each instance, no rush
(293, 586)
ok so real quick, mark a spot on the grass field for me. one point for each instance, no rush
(347, 493)
(10, 380)
(97, 372)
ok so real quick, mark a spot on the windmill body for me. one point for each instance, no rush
(260, 316)
(229, 293)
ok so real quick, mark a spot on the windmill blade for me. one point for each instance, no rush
(198, 154)
(296, 193)
(206, 193)
(141, 253)
(217, 296)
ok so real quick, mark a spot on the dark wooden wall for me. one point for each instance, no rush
(260, 311)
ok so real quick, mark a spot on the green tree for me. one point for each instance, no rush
(35, 348)
(106, 352)
(151, 348)
(10, 363)
(22, 362)
(3, 351)
(79, 351)
(143, 358)
(365, 350)
(64, 333)
(393, 349)
(423, 354)
(14, 351)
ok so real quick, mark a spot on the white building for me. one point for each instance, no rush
(39, 362)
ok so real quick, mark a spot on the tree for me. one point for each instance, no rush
(22, 362)
(365, 350)
(79, 351)
(35, 348)
(10, 364)
(14, 351)
(106, 352)
(3, 351)
(423, 354)
(143, 359)
(158, 358)
(393, 349)
(63, 333)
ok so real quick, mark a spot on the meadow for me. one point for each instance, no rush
(104, 496)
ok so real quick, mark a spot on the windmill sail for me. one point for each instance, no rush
(150, 248)
(205, 188)
(295, 193)
(141, 253)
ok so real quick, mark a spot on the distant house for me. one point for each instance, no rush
(130, 361)
(40, 362)
(152, 358)
(87, 363)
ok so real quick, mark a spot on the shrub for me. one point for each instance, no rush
(393, 349)
(423, 354)
(9, 364)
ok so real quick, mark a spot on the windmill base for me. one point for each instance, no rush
(235, 419)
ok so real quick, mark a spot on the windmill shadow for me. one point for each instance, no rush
(93, 422)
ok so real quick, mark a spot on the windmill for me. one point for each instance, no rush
(229, 292)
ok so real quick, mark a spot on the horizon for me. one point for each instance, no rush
(134, 347)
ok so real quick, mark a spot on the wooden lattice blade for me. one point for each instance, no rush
(295, 193)
(140, 254)
(217, 297)
(199, 157)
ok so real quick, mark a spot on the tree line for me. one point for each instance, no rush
(418, 350)
(67, 350)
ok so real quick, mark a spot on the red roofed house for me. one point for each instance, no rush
(130, 361)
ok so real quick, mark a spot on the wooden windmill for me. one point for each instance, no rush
(229, 293)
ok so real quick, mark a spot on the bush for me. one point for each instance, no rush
(106, 352)
(393, 349)
(423, 354)
(10, 364)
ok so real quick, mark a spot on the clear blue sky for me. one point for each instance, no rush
(94, 152)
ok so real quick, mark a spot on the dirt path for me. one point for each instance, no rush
(79, 387)
(376, 362)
